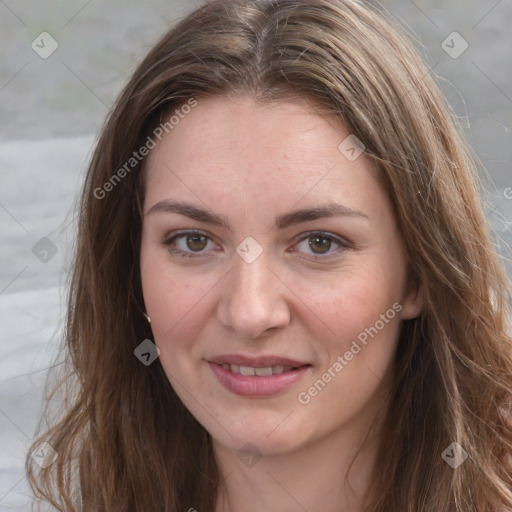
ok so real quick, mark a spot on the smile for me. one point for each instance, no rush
(260, 372)
(256, 382)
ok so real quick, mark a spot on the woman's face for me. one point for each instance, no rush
(267, 246)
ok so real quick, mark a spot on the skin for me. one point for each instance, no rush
(251, 163)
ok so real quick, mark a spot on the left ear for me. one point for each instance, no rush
(413, 300)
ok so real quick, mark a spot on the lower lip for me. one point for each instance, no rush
(248, 385)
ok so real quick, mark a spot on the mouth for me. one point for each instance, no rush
(270, 376)
(260, 362)
(264, 371)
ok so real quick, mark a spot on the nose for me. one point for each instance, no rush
(254, 299)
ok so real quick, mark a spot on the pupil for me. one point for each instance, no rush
(196, 242)
(320, 244)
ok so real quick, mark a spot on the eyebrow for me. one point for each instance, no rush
(282, 221)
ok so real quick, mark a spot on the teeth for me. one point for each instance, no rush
(260, 372)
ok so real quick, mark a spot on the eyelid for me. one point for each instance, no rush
(169, 237)
(338, 239)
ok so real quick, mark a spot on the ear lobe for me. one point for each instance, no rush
(413, 302)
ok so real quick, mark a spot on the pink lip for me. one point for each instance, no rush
(254, 386)
(255, 362)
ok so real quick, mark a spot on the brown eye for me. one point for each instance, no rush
(196, 242)
(320, 244)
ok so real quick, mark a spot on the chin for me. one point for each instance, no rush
(268, 433)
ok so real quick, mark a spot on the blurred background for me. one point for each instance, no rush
(62, 65)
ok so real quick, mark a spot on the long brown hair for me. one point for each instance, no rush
(125, 442)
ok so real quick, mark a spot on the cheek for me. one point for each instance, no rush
(169, 301)
(339, 311)
(179, 305)
(357, 358)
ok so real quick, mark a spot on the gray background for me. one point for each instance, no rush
(51, 110)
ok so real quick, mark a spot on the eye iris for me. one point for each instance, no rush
(196, 242)
(320, 244)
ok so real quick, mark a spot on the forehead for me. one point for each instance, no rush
(227, 126)
(285, 151)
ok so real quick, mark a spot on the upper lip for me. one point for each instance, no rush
(256, 362)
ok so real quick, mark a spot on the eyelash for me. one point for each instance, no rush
(343, 244)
